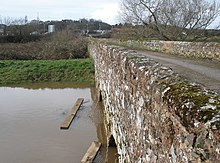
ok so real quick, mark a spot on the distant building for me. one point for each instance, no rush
(51, 28)
(34, 33)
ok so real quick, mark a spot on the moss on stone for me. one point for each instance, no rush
(192, 103)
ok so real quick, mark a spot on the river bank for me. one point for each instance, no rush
(32, 71)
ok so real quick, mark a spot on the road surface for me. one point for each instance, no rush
(205, 72)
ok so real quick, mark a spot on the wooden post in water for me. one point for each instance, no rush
(91, 152)
(67, 122)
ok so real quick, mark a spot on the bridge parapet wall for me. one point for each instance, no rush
(207, 50)
(153, 114)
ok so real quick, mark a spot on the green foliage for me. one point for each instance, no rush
(20, 38)
(16, 72)
(214, 39)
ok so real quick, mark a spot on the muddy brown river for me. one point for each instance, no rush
(30, 125)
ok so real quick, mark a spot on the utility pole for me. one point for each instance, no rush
(38, 21)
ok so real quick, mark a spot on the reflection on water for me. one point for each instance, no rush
(106, 154)
(30, 121)
(53, 85)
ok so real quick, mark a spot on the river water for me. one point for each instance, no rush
(30, 122)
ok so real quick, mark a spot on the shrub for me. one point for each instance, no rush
(60, 45)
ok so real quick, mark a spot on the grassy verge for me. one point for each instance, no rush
(32, 71)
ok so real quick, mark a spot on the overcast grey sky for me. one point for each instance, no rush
(105, 10)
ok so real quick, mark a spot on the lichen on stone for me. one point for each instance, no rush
(154, 114)
(193, 103)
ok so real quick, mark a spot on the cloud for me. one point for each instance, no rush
(107, 13)
(57, 10)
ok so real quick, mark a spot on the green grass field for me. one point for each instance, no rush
(32, 71)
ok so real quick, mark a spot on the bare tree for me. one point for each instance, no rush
(6, 20)
(15, 26)
(171, 19)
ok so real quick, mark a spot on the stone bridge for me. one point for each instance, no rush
(152, 113)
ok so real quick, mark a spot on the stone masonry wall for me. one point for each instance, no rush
(153, 114)
(206, 50)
